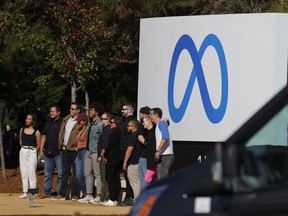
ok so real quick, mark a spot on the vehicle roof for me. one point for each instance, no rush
(261, 117)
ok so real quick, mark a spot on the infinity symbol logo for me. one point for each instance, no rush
(215, 115)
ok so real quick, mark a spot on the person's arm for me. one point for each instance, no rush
(163, 127)
(102, 152)
(20, 136)
(166, 120)
(141, 133)
(38, 140)
(127, 156)
(42, 144)
(141, 139)
(101, 156)
(158, 150)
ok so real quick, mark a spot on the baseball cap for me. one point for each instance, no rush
(145, 110)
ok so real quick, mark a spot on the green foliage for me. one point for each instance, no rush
(47, 45)
(79, 33)
(51, 93)
(12, 24)
(281, 6)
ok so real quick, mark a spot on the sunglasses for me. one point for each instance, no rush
(111, 122)
(104, 119)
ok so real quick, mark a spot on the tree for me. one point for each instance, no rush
(78, 34)
(89, 45)
(21, 60)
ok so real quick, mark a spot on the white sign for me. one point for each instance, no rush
(209, 74)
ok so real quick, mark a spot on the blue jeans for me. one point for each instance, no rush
(68, 162)
(50, 164)
(80, 171)
(142, 171)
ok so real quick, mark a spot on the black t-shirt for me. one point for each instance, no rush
(150, 139)
(51, 130)
(125, 133)
(142, 131)
(133, 141)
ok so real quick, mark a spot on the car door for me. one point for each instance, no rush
(260, 166)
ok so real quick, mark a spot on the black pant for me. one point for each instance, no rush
(68, 162)
(113, 180)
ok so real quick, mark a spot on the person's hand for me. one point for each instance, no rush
(166, 120)
(124, 166)
(99, 159)
(157, 155)
(41, 155)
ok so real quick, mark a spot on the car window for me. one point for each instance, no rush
(263, 159)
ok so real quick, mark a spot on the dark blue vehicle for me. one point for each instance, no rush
(246, 175)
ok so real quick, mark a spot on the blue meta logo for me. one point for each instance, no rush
(185, 42)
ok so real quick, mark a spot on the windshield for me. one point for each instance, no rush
(274, 132)
(263, 159)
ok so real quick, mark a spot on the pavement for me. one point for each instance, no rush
(10, 204)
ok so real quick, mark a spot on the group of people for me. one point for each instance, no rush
(96, 149)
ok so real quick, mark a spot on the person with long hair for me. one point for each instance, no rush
(29, 140)
(82, 120)
(113, 156)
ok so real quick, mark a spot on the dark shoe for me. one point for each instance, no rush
(54, 193)
(126, 202)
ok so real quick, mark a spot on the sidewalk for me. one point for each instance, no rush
(11, 205)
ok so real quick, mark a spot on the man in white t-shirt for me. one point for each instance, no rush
(164, 146)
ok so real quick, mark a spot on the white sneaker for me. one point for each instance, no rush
(110, 203)
(74, 198)
(23, 196)
(102, 202)
(58, 198)
(86, 199)
(96, 200)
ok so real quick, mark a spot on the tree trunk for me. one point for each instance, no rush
(2, 153)
(86, 101)
(73, 92)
